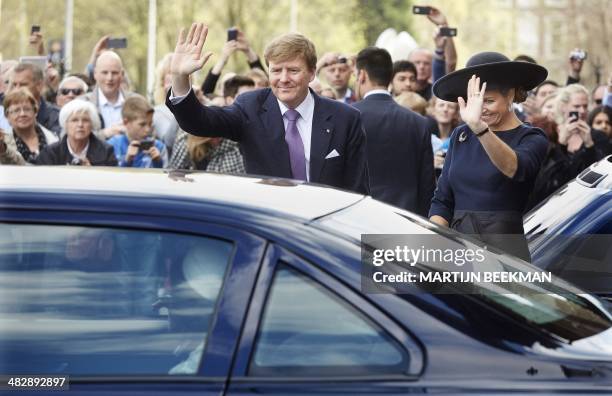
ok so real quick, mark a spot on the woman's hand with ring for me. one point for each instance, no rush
(472, 110)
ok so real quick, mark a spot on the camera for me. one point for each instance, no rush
(448, 32)
(35, 28)
(574, 115)
(232, 34)
(146, 144)
(578, 55)
(421, 10)
(117, 42)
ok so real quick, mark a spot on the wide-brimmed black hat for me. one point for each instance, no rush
(493, 68)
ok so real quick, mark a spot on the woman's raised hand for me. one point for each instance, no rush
(471, 111)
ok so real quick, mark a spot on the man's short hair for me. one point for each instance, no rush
(403, 66)
(524, 58)
(37, 72)
(17, 96)
(74, 79)
(290, 46)
(233, 84)
(136, 106)
(545, 82)
(377, 64)
(80, 106)
(412, 101)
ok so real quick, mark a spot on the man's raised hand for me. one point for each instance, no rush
(188, 57)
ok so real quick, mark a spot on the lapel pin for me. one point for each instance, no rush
(462, 137)
(327, 130)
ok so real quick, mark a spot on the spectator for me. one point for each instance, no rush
(240, 44)
(412, 101)
(69, 89)
(283, 131)
(213, 154)
(322, 89)
(525, 58)
(575, 62)
(598, 95)
(337, 73)
(164, 123)
(31, 77)
(8, 151)
(260, 77)
(586, 144)
(399, 144)
(446, 116)
(107, 95)
(422, 59)
(600, 118)
(137, 148)
(6, 68)
(30, 138)
(548, 107)
(404, 77)
(492, 160)
(79, 145)
(543, 91)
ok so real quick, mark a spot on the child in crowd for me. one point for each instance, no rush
(137, 148)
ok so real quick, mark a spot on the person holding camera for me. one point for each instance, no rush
(336, 69)
(136, 147)
(79, 145)
(236, 41)
(492, 159)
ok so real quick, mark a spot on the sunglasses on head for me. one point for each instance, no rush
(598, 101)
(76, 91)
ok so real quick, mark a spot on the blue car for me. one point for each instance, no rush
(570, 234)
(124, 282)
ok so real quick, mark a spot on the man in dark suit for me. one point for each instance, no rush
(400, 157)
(284, 131)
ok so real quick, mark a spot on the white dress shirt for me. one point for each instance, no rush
(111, 112)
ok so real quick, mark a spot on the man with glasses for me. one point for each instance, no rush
(31, 77)
(69, 89)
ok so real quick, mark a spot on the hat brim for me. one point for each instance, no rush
(512, 74)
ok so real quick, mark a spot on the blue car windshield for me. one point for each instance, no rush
(556, 307)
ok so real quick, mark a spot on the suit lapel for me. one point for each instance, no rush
(322, 130)
(274, 127)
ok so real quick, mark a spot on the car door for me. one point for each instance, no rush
(307, 333)
(123, 304)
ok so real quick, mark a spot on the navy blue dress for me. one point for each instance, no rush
(477, 198)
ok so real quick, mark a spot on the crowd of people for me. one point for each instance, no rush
(415, 133)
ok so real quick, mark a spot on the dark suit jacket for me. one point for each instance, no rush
(48, 116)
(255, 121)
(400, 157)
(98, 153)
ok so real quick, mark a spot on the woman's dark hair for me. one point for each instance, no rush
(520, 94)
(599, 109)
(543, 83)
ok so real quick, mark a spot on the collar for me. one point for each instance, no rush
(81, 154)
(377, 92)
(306, 108)
(102, 100)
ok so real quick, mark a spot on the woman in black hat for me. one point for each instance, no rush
(493, 158)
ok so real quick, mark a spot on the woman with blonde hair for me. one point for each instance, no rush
(206, 153)
(164, 124)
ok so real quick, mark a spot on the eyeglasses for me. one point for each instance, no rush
(24, 110)
(75, 91)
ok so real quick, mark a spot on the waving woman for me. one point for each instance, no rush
(493, 158)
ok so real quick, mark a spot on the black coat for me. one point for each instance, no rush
(98, 153)
(48, 116)
(400, 157)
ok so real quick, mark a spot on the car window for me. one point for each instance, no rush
(306, 330)
(104, 301)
